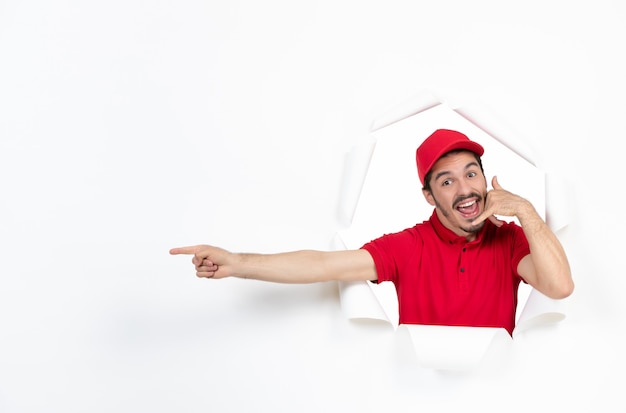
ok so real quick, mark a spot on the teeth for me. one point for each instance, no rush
(465, 205)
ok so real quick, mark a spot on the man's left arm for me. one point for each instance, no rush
(546, 268)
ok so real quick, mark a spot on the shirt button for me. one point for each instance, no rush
(462, 269)
(463, 249)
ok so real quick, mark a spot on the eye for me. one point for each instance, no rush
(446, 182)
(471, 174)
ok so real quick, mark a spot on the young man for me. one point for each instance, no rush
(461, 267)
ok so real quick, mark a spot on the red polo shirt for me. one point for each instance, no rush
(442, 279)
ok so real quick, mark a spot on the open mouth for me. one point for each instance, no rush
(468, 208)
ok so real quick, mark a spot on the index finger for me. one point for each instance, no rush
(480, 218)
(488, 212)
(192, 250)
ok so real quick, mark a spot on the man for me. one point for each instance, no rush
(461, 267)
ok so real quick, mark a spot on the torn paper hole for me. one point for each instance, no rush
(390, 157)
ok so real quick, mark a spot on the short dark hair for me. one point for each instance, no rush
(455, 151)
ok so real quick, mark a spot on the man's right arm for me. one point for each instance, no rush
(305, 266)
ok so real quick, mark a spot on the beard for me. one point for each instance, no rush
(472, 229)
(447, 212)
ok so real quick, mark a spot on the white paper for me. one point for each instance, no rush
(356, 166)
(417, 104)
(497, 129)
(558, 201)
(539, 310)
(452, 347)
(359, 301)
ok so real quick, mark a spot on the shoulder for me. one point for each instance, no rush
(507, 228)
(406, 238)
(509, 233)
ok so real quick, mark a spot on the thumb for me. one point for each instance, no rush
(494, 183)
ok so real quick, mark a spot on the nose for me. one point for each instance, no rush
(464, 187)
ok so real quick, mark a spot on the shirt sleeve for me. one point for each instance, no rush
(520, 247)
(390, 251)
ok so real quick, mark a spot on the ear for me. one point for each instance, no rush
(429, 196)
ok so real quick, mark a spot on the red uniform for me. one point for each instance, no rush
(442, 279)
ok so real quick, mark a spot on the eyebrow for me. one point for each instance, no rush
(442, 173)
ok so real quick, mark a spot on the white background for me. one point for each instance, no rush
(130, 127)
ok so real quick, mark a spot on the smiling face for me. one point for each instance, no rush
(457, 189)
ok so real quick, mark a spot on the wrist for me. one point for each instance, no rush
(527, 214)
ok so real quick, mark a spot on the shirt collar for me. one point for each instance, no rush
(447, 235)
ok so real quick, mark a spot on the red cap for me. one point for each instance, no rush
(437, 144)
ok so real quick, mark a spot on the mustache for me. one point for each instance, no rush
(462, 198)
